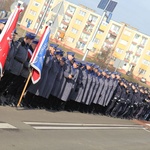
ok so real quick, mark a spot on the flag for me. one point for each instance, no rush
(38, 56)
(6, 37)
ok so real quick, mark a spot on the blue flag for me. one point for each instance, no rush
(38, 56)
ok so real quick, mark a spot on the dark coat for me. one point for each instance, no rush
(52, 73)
(10, 56)
(20, 57)
(58, 82)
(87, 87)
(82, 86)
(99, 90)
(101, 100)
(68, 84)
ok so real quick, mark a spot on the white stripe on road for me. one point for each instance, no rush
(6, 126)
(83, 128)
(76, 124)
(148, 124)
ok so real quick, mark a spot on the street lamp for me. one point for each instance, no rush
(105, 5)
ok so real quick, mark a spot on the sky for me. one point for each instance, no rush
(133, 12)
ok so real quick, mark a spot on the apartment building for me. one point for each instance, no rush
(75, 25)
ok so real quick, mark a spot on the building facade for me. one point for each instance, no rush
(118, 43)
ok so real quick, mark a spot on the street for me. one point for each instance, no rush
(23, 129)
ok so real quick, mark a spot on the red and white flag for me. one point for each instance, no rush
(6, 36)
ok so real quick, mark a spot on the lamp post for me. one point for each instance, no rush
(41, 21)
(105, 5)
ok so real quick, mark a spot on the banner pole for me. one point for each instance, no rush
(20, 100)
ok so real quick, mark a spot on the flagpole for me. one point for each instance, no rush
(22, 94)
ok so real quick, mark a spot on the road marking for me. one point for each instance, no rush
(83, 128)
(77, 124)
(146, 129)
(73, 126)
(6, 126)
(148, 124)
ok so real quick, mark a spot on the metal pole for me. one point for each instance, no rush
(38, 28)
(94, 35)
(58, 11)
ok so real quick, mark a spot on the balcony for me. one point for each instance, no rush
(83, 40)
(137, 54)
(90, 22)
(60, 29)
(114, 33)
(126, 60)
(109, 41)
(133, 63)
(134, 42)
(140, 45)
(69, 13)
(65, 22)
(130, 51)
(87, 31)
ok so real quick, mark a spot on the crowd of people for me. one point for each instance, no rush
(67, 83)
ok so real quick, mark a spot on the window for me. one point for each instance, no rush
(71, 9)
(144, 40)
(63, 27)
(123, 42)
(100, 31)
(44, 7)
(74, 30)
(84, 37)
(118, 50)
(70, 39)
(67, 19)
(82, 13)
(36, 25)
(146, 62)
(132, 47)
(115, 28)
(141, 71)
(32, 12)
(29, 20)
(148, 53)
(135, 59)
(78, 22)
(92, 19)
(36, 4)
(128, 56)
(80, 45)
(136, 37)
(128, 33)
(139, 50)
(97, 41)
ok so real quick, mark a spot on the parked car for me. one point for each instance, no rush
(143, 80)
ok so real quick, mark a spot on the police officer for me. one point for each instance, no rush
(7, 76)
(122, 101)
(57, 86)
(35, 91)
(6, 79)
(69, 75)
(20, 58)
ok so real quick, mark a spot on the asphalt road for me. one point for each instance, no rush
(44, 130)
